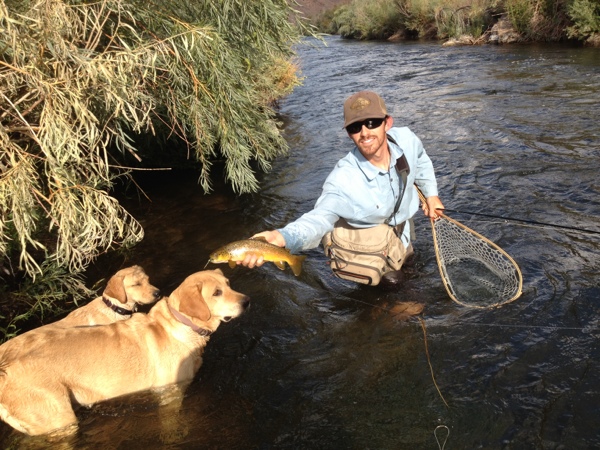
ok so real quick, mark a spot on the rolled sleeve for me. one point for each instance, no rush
(307, 231)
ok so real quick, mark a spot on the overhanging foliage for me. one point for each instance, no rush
(78, 80)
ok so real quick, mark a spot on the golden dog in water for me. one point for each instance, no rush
(43, 376)
(124, 291)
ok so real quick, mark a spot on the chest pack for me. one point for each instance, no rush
(364, 255)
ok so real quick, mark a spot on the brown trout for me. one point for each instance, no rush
(237, 251)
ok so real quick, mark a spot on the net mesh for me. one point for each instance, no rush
(476, 272)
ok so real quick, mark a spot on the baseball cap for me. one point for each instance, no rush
(363, 105)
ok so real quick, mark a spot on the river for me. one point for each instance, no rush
(316, 363)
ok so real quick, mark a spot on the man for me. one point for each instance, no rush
(364, 186)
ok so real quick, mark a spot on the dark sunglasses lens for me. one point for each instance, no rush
(371, 124)
(354, 128)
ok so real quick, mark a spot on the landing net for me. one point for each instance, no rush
(476, 272)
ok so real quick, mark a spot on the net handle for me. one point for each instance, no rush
(442, 268)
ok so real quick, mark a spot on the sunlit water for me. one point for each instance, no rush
(317, 363)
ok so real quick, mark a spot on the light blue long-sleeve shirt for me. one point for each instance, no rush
(364, 195)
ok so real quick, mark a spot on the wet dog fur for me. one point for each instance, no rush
(124, 291)
(48, 374)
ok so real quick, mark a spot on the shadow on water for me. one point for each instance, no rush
(320, 363)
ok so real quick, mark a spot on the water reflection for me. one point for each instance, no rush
(320, 363)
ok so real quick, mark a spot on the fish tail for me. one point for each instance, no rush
(296, 264)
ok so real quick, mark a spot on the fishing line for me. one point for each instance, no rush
(534, 222)
(431, 367)
(442, 445)
(423, 327)
(586, 329)
(422, 322)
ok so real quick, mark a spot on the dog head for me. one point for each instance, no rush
(131, 286)
(207, 299)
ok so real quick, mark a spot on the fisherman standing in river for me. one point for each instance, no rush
(370, 190)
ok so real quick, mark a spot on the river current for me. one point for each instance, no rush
(316, 363)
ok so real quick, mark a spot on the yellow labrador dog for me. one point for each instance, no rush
(124, 291)
(48, 373)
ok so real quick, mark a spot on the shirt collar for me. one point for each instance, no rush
(369, 169)
(395, 150)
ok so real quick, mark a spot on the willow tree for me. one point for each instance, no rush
(79, 80)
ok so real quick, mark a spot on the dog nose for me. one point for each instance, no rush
(157, 294)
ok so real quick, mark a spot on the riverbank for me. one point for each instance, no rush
(465, 22)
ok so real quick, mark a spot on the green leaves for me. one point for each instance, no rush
(586, 19)
(78, 82)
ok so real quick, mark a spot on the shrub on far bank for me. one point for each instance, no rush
(372, 20)
(586, 21)
(531, 20)
(455, 18)
(539, 20)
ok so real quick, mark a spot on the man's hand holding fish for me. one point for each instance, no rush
(253, 260)
(256, 251)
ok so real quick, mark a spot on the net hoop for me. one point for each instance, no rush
(446, 279)
(506, 260)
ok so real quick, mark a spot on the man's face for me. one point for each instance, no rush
(371, 142)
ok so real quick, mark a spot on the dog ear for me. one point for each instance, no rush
(115, 289)
(192, 303)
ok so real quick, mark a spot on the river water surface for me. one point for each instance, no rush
(316, 363)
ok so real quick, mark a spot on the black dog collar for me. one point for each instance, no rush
(115, 308)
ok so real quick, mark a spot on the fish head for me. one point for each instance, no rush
(219, 256)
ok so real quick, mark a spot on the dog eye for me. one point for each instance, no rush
(218, 292)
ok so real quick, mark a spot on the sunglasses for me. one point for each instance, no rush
(371, 124)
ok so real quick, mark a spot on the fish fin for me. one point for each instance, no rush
(232, 264)
(297, 264)
(260, 238)
(280, 264)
